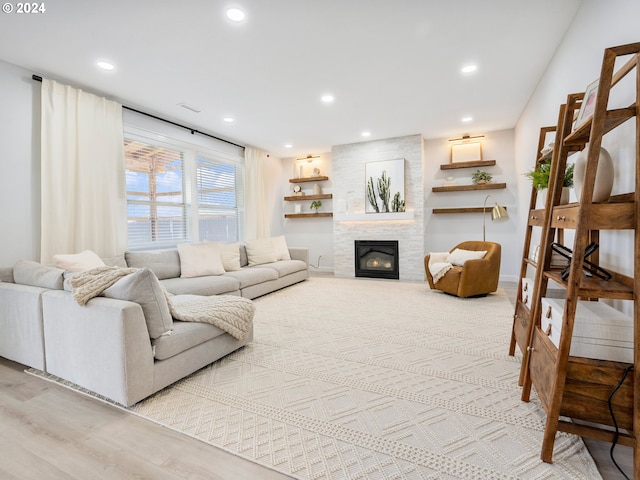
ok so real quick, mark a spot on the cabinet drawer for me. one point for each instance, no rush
(564, 217)
(599, 331)
(527, 292)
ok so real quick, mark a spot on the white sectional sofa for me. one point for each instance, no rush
(106, 345)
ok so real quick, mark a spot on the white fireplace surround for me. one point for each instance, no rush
(348, 171)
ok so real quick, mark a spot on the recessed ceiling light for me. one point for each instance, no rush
(288, 145)
(469, 68)
(327, 98)
(466, 119)
(366, 134)
(104, 65)
(235, 14)
(228, 119)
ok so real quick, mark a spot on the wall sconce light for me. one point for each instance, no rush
(309, 158)
(498, 214)
(466, 149)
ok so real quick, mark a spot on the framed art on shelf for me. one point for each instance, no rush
(588, 104)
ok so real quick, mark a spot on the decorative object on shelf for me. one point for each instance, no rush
(480, 177)
(498, 214)
(466, 149)
(547, 149)
(317, 189)
(298, 208)
(316, 172)
(383, 178)
(588, 104)
(540, 175)
(604, 175)
(316, 204)
(297, 190)
(449, 182)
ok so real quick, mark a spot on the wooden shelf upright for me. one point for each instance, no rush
(575, 387)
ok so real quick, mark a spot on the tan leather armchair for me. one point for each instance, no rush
(476, 277)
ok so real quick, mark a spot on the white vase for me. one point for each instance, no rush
(604, 175)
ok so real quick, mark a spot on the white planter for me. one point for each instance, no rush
(604, 175)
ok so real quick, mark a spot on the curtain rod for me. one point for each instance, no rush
(38, 78)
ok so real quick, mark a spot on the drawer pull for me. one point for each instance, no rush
(549, 311)
(548, 330)
(530, 349)
(526, 287)
(561, 218)
(526, 299)
(533, 217)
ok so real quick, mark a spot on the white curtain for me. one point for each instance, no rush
(257, 220)
(83, 179)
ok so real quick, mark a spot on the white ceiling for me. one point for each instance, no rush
(393, 66)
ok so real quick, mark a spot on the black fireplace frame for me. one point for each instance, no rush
(375, 245)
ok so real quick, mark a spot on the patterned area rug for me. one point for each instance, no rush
(370, 379)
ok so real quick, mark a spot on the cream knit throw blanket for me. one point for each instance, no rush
(230, 313)
(92, 283)
(438, 265)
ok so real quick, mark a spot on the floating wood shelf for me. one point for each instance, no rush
(462, 188)
(302, 198)
(474, 163)
(308, 215)
(464, 210)
(308, 179)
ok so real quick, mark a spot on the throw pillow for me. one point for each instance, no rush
(144, 288)
(230, 254)
(280, 248)
(459, 256)
(260, 251)
(77, 262)
(37, 275)
(200, 259)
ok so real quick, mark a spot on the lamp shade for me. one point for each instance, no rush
(499, 214)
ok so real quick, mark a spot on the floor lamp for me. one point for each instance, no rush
(498, 214)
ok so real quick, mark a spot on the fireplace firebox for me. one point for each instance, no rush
(377, 259)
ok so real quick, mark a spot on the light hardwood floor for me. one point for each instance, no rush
(50, 432)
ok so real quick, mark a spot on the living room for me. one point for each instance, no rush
(571, 63)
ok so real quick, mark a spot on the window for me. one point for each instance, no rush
(177, 193)
(217, 200)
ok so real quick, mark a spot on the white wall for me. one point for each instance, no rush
(577, 63)
(444, 231)
(20, 164)
(314, 233)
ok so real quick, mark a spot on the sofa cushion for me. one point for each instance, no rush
(244, 260)
(184, 336)
(285, 267)
(77, 262)
(115, 261)
(248, 276)
(459, 256)
(211, 285)
(164, 263)
(230, 254)
(200, 259)
(144, 288)
(35, 274)
(260, 251)
(6, 275)
(280, 248)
